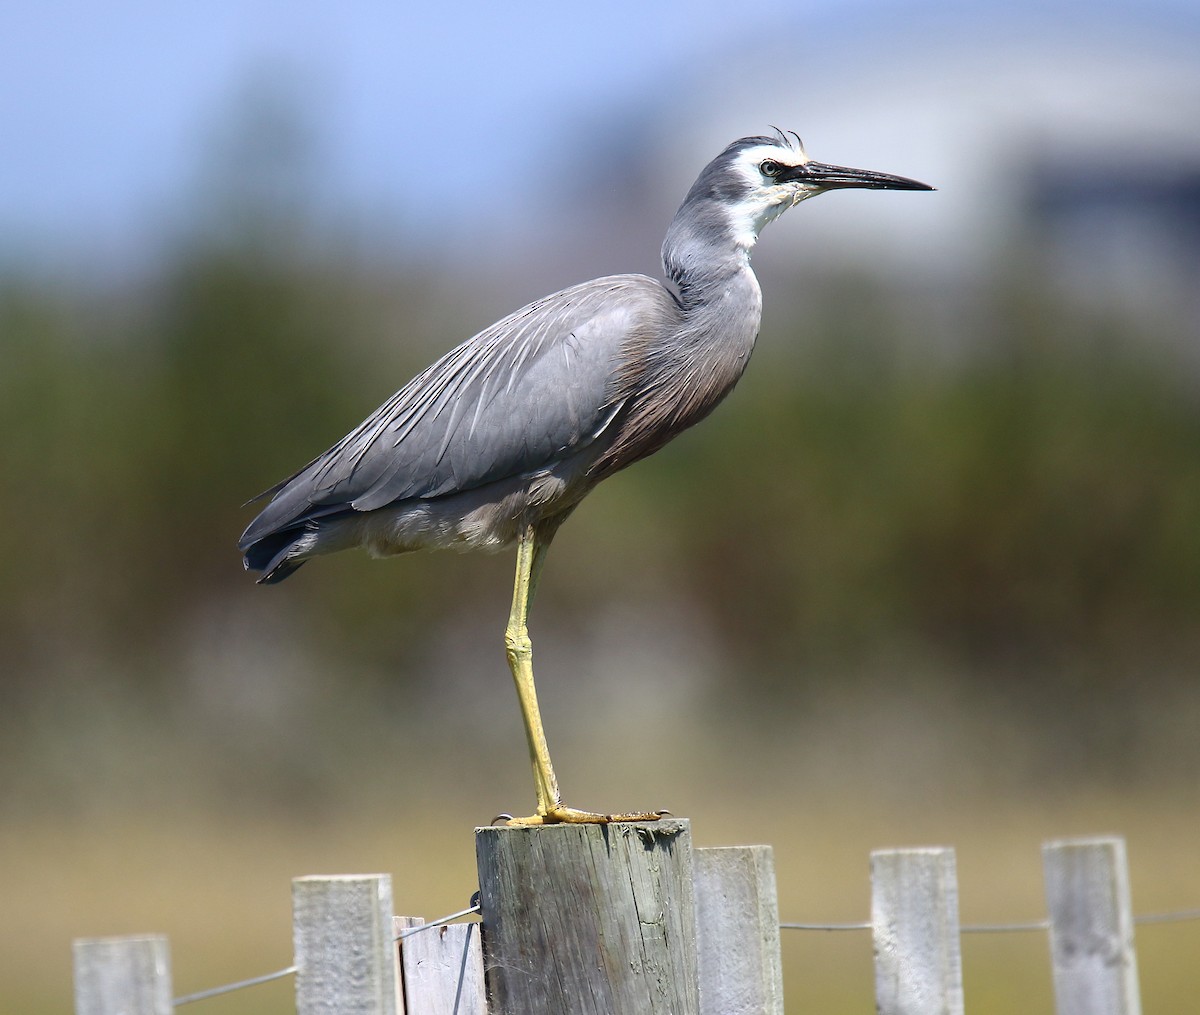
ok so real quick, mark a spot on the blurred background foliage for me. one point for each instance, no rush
(932, 573)
(1023, 520)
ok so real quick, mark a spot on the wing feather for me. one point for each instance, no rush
(521, 395)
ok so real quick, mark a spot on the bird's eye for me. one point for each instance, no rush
(769, 167)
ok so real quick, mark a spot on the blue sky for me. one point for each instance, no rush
(106, 108)
(108, 111)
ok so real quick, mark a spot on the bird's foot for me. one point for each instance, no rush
(559, 814)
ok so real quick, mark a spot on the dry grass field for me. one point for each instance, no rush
(217, 880)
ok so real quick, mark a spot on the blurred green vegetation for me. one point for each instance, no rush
(1024, 517)
(921, 596)
(1033, 510)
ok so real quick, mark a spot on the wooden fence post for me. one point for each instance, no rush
(914, 919)
(737, 931)
(589, 919)
(443, 971)
(1091, 927)
(401, 924)
(122, 975)
(344, 945)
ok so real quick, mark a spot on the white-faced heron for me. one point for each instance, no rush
(498, 441)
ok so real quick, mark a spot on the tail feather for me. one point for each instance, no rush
(280, 571)
(272, 555)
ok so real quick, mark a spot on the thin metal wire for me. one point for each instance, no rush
(825, 926)
(1003, 928)
(437, 923)
(229, 988)
(1177, 917)
(1180, 916)
(970, 928)
(254, 981)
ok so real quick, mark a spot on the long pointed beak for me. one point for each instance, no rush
(842, 178)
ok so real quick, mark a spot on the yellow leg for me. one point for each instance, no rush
(531, 554)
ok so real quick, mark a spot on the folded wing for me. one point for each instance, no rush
(527, 392)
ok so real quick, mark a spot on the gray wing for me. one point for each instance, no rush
(523, 394)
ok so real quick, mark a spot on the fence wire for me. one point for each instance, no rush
(438, 922)
(1178, 916)
(229, 988)
(254, 981)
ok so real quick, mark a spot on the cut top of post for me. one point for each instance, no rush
(589, 919)
(344, 945)
(131, 975)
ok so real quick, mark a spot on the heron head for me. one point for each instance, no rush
(756, 179)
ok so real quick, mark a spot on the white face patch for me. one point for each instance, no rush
(767, 199)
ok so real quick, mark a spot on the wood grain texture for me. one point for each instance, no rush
(589, 919)
(399, 925)
(1091, 927)
(129, 975)
(344, 945)
(914, 917)
(737, 931)
(443, 971)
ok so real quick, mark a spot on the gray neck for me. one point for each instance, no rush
(680, 372)
(701, 254)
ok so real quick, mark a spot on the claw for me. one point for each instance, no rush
(569, 815)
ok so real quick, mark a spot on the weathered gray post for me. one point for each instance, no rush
(400, 925)
(914, 918)
(122, 975)
(589, 919)
(1091, 927)
(344, 945)
(443, 971)
(737, 931)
